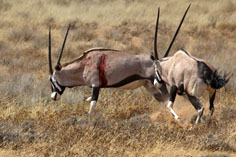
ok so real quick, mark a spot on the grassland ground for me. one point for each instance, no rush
(124, 123)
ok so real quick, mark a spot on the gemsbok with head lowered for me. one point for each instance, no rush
(190, 76)
(107, 68)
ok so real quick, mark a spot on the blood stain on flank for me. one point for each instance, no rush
(101, 69)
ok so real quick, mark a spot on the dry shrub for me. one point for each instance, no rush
(82, 35)
(127, 30)
(128, 112)
(50, 22)
(4, 5)
(63, 2)
(83, 31)
(217, 155)
(228, 6)
(133, 49)
(90, 26)
(212, 143)
(227, 27)
(102, 43)
(40, 42)
(23, 34)
(121, 34)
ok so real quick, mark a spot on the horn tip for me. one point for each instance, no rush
(189, 5)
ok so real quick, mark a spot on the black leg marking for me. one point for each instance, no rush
(94, 99)
(195, 102)
(198, 106)
(173, 91)
(212, 98)
(95, 93)
(181, 89)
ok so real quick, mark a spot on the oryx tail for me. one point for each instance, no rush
(210, 77)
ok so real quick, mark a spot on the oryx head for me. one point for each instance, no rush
(56, 87)
(156, 61)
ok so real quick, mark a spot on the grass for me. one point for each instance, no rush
(124, 123)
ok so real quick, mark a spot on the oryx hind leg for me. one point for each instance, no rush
(212, 95)
(94, 99)
(198, 106)
(173, 92)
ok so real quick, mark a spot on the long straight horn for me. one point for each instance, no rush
(155, 39)
(177, 31)
(59, 58)
(49, 52)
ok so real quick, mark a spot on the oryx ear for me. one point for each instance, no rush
(152, 56)
(58, 67)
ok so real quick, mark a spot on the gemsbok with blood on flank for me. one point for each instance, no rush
(107, 68)
(190, 76)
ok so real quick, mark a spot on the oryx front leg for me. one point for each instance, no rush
(173, 92)
(198, 106)
(94, 99)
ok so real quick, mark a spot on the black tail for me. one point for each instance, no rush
(210, 77)
(219, 81)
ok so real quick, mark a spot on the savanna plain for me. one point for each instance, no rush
(124, 123)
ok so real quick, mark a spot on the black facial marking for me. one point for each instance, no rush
(159, 81)
(55, 89)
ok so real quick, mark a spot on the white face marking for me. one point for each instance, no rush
(157, 72)
(158, 77)
(55, 83)
(157, 84)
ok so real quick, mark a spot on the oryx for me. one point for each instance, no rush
(190, 76)
(107, 68)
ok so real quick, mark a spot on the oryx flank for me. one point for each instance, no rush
(107, 68)
(190, 76)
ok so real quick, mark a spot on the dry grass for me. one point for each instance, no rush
(125, 123)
